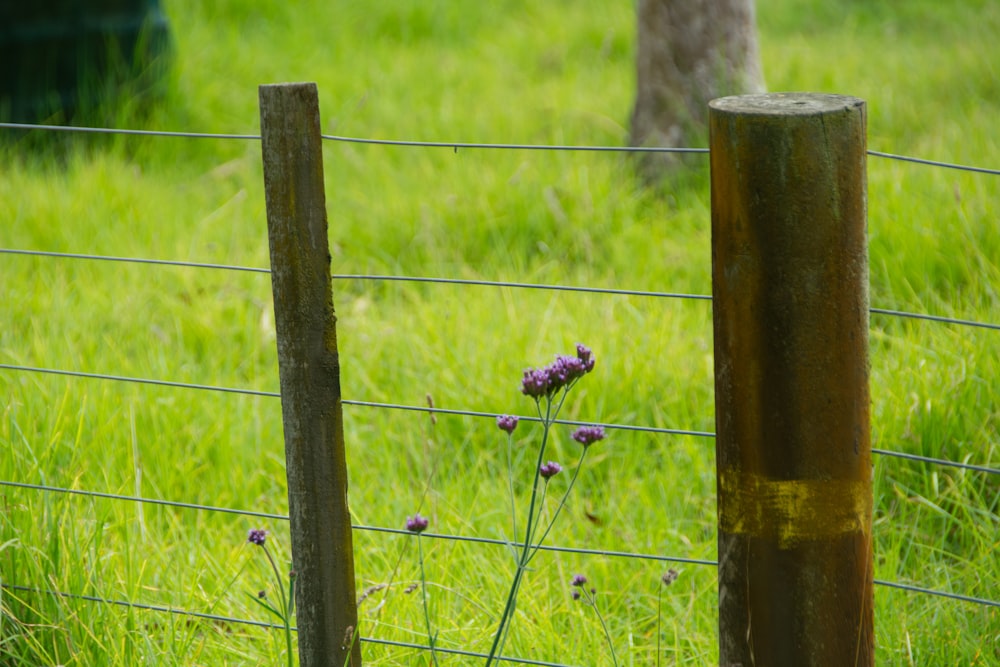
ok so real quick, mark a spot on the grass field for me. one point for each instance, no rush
(513, 71)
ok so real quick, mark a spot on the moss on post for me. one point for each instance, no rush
(309, 367)
(790, 290)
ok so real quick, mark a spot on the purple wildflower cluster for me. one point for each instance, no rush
(588, 435)
(507, 423)
(417, 523)
(549, 469)
(539, 382)
(257, 536)
(577, 583)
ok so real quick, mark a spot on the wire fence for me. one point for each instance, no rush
(465, 283)
(471, 282)
(455, 145)
(463, 413)
(607, 553)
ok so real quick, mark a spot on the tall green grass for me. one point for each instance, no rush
(558, 72)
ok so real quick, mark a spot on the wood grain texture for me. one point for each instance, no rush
(309, 368)
(790, 311)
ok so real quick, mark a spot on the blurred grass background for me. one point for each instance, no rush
(555, 72)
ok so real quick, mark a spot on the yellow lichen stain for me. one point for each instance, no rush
(792, 511)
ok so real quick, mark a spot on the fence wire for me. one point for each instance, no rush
(220, 619)
(456, 412)
(359, 527)
(217, 618)
(134, 380)
(935, 163)
(473, 539)
(466, 281)
(131, 260)
(125, 131)
(454, 145)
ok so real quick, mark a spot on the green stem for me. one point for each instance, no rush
(547, 425)
(423, 592)
(288, 641)
(607, 633)
(551, 412)
(510, 484)
(513, 610)
(562, 503)
(659, 597)
(501, 629)
(285, 610)
(526, 547)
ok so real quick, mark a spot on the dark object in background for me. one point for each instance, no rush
(60, 58)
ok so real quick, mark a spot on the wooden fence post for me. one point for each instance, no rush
(309, 367)
(790, 300)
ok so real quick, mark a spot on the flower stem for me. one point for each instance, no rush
(286, 612)
(562, 503)
(607, 633)
(553, 404)
(510, 484)
(515, 585)
(423, 593)
(546, 426)
(590, 598)
(504, 618)
(659, 596)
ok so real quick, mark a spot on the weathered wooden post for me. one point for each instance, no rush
(790, 288)
(309, 367)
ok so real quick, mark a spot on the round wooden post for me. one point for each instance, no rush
(790, 299)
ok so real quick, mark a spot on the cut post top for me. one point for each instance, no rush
(289, 84)
(785, 104)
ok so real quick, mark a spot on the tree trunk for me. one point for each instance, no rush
(689, 53)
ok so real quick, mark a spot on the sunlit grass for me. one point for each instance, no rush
(489, 72)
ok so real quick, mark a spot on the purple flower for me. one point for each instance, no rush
(578, 580)
(576, 594)
(588, 435)
(549, 469)
(566, 369)
(507, 423)
(417, 523)
(257, 536)
(536, 382)
(586, 356)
